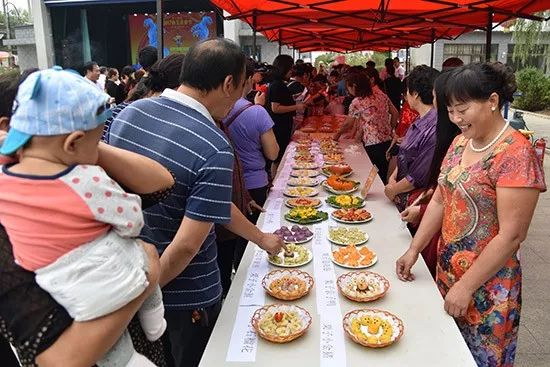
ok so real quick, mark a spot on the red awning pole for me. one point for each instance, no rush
(489, 35)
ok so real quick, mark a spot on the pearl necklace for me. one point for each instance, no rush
(492, 142)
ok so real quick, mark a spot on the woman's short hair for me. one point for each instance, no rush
(476, 82)
(361, 82)
(165, 73)
(283, 64)
(421, 80)
(111, 73)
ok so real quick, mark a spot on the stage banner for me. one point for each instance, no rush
(181, 30)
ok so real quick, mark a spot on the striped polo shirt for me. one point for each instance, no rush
(178, 132)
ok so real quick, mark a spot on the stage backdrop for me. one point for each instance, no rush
(181, 30)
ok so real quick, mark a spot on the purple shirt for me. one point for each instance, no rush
(246, 131)
(417, 150)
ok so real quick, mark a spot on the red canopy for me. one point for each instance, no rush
(358, 24)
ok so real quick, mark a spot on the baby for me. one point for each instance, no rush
(67, 220)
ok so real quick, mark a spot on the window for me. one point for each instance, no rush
(249, 52)
(536, 59)
(468, 53)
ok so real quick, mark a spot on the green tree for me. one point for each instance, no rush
(529, 37)
(17, 17)
(327, 58)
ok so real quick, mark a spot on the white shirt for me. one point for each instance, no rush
(101, 81)
(95, 84)
(187, 101)
(400, 72)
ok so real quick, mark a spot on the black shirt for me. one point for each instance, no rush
(295, 87)
(115, 91)
(393, 89)
(278, 93)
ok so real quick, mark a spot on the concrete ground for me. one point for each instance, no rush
(534, 333)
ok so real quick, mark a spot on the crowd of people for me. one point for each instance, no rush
(118, 186)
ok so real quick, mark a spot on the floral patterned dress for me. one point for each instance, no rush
(470, 222)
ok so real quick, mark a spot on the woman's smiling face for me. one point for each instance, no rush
(474, 118)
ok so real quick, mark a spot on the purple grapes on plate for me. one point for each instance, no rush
(293, 234)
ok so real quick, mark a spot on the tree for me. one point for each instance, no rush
(529, 36)
(17, 17)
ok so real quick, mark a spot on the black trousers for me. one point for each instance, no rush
(186, 340)
(377, 155)
(6, 354)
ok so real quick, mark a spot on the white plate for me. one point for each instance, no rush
(298, 165)
(341, 207)
(283, 265)
(332, 191)
(314, 192)
(294, 206)
(311, 174)
(351, 222)
(345, 244)
(294, 182)
(374, 261)
(330, 174)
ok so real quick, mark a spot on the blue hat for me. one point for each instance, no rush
(54, 102)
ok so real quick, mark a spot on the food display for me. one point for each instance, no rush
(363, 286)
(296, 192)
(354, 258)
(297, 256)
(343, 170)
(345, 201)
(373, 328)
(309, 129)
(339, 185)
(304, 173)
(305, 165)
(347, 236)
(281, 323)
(352, 216)
(303, 181)
(328, 143)
(305, 202)
(305, 215)
(304, 158)
(295, 234)
(287, 284)
(333, 158)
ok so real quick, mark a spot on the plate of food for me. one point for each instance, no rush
(363, 286)
(303, 181)
(281, 323)
(339, 186)
(351, 216)
(287, 284)
(296, 256)
(305, 215)
(343, 170)
(326, 128)
(305, 165)
(345, 201)
(295, 234)
(305, 202)
(351, 257)
(308, 129)
(333, 158)
(347, 236)
(328, 143)
(304, 173)
(373, 328)
(307, 157)
(300, 191)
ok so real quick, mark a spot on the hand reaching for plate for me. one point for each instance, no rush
(271, 243)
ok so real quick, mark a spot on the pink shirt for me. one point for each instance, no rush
(46, 217)
(373, 116)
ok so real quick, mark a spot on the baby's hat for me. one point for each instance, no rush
(54, 102)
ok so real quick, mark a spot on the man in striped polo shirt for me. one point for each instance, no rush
(178, 130)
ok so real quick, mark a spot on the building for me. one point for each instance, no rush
(470, 47)
(26, 48)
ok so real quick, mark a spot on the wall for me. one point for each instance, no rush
(26, 47)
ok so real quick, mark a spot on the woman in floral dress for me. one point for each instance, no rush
(488, 189)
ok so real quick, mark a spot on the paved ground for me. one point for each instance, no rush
(534, 334)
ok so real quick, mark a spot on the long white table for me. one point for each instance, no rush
(431, 337)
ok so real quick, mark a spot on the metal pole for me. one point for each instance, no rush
(280, 31)
(489, 35)
(407, 60)
(7, 21)
(160, 28)
(432, 49)
(254, 51)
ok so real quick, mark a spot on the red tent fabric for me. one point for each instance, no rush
(353, 24)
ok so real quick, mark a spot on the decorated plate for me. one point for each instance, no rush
(305, 202)
(346, 236)
(303, 181)
(342, 170)
(352, 257)
(351, 216)
(301, 191)
(281, 323)
(305, 165)
(345, 201)
(305, 173)
(332, 190)
(363, 286)
(287, 284)
(301, 256)
(295, 234)
(373, 328)
(305, 215)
